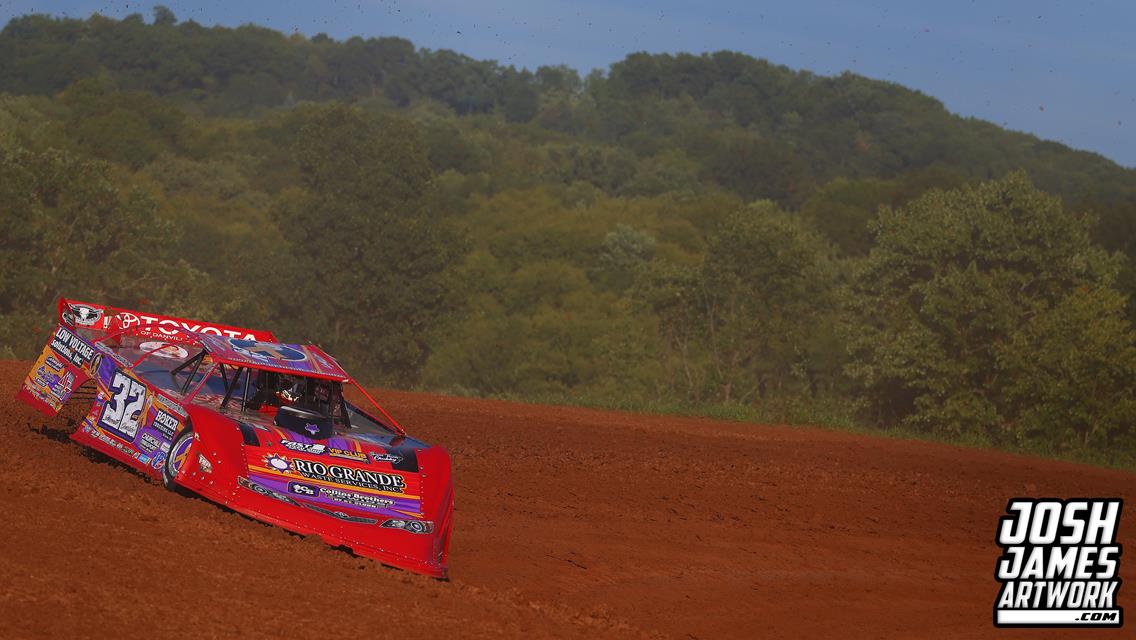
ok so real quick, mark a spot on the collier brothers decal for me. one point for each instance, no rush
(355, 499)
(1060, 563)
(276, 495)
(339, 495)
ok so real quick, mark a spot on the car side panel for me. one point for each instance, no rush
(218, 440)
(130, 420)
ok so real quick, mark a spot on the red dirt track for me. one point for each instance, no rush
(570, 523)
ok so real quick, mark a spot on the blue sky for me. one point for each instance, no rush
(1061, 70)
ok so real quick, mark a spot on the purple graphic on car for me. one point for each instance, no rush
(280, 463)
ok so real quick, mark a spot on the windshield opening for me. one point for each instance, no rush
(247, 390)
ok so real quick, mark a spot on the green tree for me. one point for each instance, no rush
(748, 320)
(130, 128)
(163, 16)
(67, 230)
(670, 292)
(843, 209)
(519, 97)
(757, 168)
(977, 299)
(368, 252)
(1069, 374)
(766, 283)
(560, 78)
(622, 252)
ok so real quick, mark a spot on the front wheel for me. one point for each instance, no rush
(175, 461)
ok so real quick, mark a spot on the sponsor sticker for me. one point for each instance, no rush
(155, 326)
(302, 489)
(1060, 563)
(313, 448)
(149, 443)
(84, 315)
(386, 457)
(347, 454)
(99, 434)
(266, 351)
(276, 495)
(355, 499)
(114, 355)
(72, 348)
(277, 463)
(164, 350)
(322, 362)
(172, 407)
(62, 390)
(349, 476)
(165, 423)
(46, 379)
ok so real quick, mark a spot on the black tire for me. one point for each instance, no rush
(169, 472)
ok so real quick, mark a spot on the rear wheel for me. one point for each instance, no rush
(175, 461)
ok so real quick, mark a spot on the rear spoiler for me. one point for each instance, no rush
(104, 319)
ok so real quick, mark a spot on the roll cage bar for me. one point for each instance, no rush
(237, 369)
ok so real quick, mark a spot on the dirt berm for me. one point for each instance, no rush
(570, 523)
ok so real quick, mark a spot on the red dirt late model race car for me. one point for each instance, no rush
(263, 428)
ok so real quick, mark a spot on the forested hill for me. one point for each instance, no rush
(707, 233)
(756, 128)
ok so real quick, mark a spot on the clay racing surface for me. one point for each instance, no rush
(570, 523)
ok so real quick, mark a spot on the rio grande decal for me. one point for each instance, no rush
(336, 474)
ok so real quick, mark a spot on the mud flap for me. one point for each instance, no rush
(64, 365)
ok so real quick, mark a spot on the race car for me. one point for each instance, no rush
(278, 432)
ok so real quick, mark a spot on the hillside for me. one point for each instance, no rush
(810, 128)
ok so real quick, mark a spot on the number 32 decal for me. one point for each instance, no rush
(120, 413)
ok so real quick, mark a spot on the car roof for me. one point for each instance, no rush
(307, 360)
